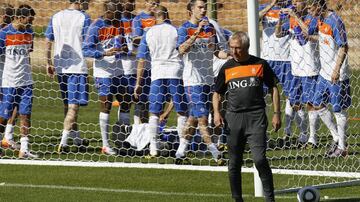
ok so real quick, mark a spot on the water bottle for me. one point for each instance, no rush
(299, 35)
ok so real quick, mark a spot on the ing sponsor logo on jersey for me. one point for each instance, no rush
(243, 76)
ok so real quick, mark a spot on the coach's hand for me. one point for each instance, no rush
(276, 121)
(137, 92)
(218, 119)
(50, 70)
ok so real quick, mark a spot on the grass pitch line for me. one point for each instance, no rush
(98, 189)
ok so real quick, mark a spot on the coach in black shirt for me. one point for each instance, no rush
(242, 79)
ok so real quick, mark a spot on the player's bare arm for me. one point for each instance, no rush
(343, 51)
(185, 47)
(139, 75)
(50, 70)
(276, 119)
(266, 9)
(218, 119)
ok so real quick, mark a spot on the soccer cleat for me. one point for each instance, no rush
(338, 153)
(182, 161)
(332, 149)
(63, 149)
(190, 154)
(107, 151)
(222, 147)
(27, 154)
(11, 144)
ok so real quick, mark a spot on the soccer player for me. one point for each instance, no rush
(141, 23)
(67, 30)
(333, 85)
(305, 66)
(166, 74)
(197, 44)
(104, 43)
(16, 41)
(7, 13)
(276, 51)
(128, 62)
(242, 79)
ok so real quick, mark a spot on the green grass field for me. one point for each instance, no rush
(50, 183)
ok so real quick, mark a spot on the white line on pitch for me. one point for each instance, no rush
(3, 184)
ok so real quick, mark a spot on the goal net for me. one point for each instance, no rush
(305, 166)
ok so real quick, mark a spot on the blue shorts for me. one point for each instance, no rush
(338, 94)
(282, 70)
(130, 82)
(162, 89)
(74, 88)
(111, 86)
(302, 90)
(199, 100)
(20, 97)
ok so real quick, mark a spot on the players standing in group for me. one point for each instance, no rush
(67, 30)
(276, 51)
(16, 42)
(305, 65)
(159, 42)
(104, 43)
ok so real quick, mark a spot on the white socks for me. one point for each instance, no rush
(181, 120)
(214, 151)
(104, 128)
(9, 132)
(301, 121)
(341, 120)
(313, 124)
(152, 130)
(65, 135)
(326, 117)
(137, 120)
(24, 144)
(182, 147)
(289, 116)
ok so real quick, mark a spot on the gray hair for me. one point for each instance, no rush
(242, 37)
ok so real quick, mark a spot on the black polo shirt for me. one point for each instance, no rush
(242, 82)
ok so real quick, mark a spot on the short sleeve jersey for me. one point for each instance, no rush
(16, 45)
(198, 61)
(160, 43)
(304, 58)
(67, 29)
(242, 82)
(142, 23)
(332, 36)
(102, 37)
(273, 48)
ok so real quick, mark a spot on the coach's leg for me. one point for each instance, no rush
(236, 146)
(256, 134)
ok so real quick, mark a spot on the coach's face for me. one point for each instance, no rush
(238, 50)
(199, 10)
